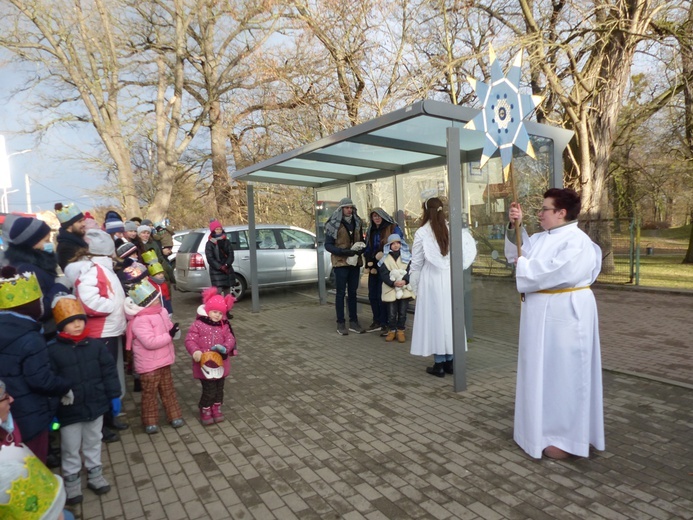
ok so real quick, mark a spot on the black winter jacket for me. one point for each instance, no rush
(217, 255)
(91, 368)
(68, 245)
(25, 370)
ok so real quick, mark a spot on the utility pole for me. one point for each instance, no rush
(27, 189)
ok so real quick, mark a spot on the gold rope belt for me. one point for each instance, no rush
(558, 291)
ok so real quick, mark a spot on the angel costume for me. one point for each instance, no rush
(429, 274)
(558, 399)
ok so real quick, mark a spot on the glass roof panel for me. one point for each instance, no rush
(292, 177)
(431, 131)
(375, 153)
(305, 164)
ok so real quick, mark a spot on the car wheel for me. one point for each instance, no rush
(238, 289)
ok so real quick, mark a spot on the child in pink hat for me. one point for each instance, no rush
(211, 342)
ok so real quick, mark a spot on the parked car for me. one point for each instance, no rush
(177, 241)
(285, 255)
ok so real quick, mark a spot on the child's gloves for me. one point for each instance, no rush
(219, 348)
(197, 355)
(174, 330)
(116, 406)
(68, 398)
(234, 353)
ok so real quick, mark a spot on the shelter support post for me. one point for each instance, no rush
(320, 250)
(457, 213)
(252, 245)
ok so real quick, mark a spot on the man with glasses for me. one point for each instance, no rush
(558, 402)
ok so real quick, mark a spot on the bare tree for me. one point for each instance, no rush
(81, 63)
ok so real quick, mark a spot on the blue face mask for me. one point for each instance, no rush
(48, 247)
(8, 425)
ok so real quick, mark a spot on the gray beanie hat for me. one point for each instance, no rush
(100, 243)
(131, 225)
(142, 228)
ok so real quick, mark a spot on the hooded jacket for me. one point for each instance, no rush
(203, 334)
(25, 369)
(148, 337)
(101, 293)
(91, 368)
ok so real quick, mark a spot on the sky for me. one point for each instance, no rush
(53, 175)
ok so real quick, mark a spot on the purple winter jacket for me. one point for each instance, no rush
(204, 334)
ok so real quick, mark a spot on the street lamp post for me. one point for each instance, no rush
(5, 165)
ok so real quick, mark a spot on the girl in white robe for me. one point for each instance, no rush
(558, 403)
(429, 274)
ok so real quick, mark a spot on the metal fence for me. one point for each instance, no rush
(619, 239)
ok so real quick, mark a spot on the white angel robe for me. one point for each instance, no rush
(429, 274)
(558, 400)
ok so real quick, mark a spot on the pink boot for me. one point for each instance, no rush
(206, 416)
(217, 416)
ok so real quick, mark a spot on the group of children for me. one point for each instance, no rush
(84, 365)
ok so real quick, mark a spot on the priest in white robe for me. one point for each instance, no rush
(558, 402)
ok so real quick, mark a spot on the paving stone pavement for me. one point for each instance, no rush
(327, 427)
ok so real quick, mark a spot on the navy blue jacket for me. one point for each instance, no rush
(25, 370)
(91, 368)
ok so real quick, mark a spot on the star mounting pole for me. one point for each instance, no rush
(501, 119)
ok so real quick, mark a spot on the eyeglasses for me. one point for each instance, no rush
(544, 210)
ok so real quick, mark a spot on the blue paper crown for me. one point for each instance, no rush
(143, 293)
(67, 213)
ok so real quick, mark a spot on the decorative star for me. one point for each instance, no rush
(504, 109)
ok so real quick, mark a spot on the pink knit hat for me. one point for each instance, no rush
(216, 302)
(213, 224)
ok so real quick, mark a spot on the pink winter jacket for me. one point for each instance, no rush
(148, 338)
(203, 336)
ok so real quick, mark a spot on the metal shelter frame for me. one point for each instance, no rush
(420, 136)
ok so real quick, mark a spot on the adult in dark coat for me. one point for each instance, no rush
(30, 250)
(24, 363)
(220, 257)
(71, 235)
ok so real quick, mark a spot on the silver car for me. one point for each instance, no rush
(285, 255)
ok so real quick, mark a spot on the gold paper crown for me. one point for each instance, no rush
(67, 307)
(31, 496)
(19, 290)
(155, 268)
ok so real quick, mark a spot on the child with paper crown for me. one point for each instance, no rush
(150, 335)
(211, 342)
(157, 276)
(24, 363)
(95, 391)
(396, 292)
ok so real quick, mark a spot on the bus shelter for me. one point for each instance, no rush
(400, 159)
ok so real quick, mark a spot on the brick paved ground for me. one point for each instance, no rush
(322, 426)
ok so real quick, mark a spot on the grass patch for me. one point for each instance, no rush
(680, 233)
(666, 271)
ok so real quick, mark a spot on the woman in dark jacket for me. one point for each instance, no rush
(219, 255)
(30, 250)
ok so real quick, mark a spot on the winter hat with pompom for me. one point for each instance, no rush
(213, 224)
(216, 302)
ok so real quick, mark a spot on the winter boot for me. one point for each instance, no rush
(96, 482)
(447, 367)
(73, 489)
(217, 415)
(400, 336)
(390, 336)
(206, 416)
(436, 370)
